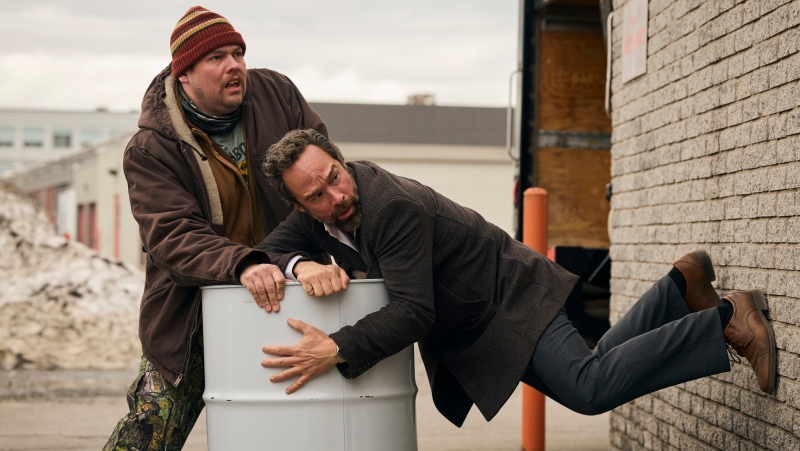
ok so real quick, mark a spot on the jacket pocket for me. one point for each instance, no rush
(459, 309)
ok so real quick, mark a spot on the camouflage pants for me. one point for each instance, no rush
(161, 414)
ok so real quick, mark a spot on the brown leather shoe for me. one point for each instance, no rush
(698, 271)
(751, 336)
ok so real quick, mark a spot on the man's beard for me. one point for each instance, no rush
(352, 222)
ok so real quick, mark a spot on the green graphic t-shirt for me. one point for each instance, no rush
(232, 142)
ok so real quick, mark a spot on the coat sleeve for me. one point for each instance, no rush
(294, 236)
(403, 248)
(174, 229)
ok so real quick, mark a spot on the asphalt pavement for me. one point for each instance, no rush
(76, 410)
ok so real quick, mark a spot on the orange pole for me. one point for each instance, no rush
(534, 234)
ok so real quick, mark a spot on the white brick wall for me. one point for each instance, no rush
(706, 154)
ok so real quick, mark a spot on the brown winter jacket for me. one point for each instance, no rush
(177, 202)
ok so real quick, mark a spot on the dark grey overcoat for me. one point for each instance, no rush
(475, 299)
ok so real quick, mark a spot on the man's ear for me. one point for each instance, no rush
(183, 78)
(299, 207)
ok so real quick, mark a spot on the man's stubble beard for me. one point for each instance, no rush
(351, 224)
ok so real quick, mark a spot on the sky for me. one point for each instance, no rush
(88, 54)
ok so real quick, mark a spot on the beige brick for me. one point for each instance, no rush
(713, 162)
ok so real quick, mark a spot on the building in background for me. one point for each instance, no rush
(459, 151)
(85, 195)
(28, 137)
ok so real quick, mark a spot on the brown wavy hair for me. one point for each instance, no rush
(282, 155)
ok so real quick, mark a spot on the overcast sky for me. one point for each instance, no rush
(84, 54)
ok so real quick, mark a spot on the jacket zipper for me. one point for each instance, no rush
(247, 188)
(192, 330)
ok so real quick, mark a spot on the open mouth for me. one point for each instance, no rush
(346, 213)
(233, 84)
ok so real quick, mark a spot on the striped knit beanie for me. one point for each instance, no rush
(197, 33)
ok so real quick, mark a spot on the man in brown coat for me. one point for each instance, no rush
(486, 311)
(201, 209)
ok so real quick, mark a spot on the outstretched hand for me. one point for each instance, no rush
(312, 356)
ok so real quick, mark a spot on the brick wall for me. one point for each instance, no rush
(706, 154)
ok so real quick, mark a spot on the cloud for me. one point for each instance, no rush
(87, 53)
(75, 81)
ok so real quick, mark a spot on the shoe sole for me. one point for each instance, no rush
(705, 260)
(761, 304)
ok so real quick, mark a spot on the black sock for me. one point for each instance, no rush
(725, 312)
(679, 280)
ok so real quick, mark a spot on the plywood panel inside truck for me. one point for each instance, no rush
(570, 100)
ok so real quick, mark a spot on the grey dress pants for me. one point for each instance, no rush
(657, 344)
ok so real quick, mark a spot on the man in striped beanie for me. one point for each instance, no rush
(206, 119)
(199, 43)
(198, 33)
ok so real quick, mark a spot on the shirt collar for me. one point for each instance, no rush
(341, 236)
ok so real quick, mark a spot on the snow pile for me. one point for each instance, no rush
(62, 305)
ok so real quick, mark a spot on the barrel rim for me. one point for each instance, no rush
(289, 283)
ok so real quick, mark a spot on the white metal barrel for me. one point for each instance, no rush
(245, 411)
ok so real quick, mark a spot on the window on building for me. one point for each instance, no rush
(91, 136)
(62, 138)
(49, 204)
(82, 224)
(6, 137)
(33, 137)
(93, 241)
(87, 225)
